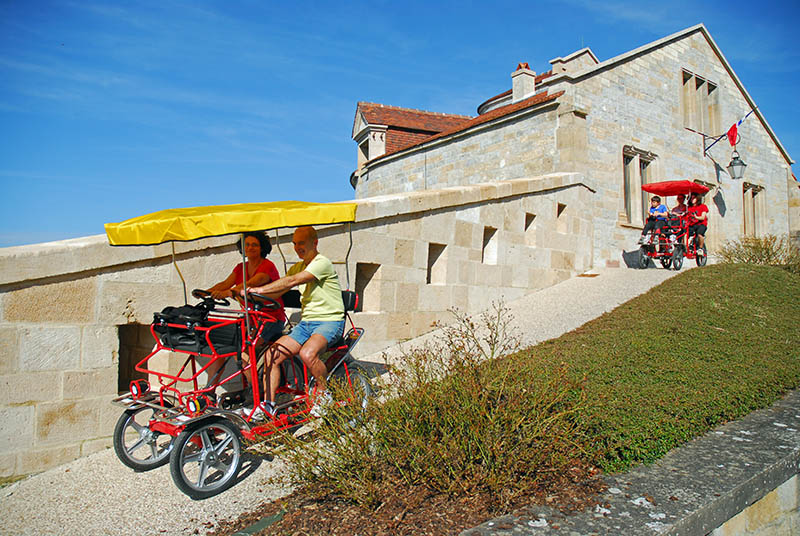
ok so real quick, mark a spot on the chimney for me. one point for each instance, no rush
(523, 83)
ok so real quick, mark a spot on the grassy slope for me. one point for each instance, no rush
(705, 347)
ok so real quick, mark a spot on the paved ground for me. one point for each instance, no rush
(99, 495)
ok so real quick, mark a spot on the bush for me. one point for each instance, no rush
(769, 250)
(454, 419)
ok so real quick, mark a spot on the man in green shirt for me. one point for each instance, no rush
(321, 318)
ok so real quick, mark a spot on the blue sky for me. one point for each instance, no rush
(110, 110)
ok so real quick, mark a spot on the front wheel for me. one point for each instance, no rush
(677, 258)
(136, 445)
(206, 458)
(701, 256)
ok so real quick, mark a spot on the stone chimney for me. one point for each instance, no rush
(523, 83)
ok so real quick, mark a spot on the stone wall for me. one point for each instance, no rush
(777, 513)
(520, 147)
(74, 314)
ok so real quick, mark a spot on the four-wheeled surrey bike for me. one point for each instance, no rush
(171, 418)
(671, 244)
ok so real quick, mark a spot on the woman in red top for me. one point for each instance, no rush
(260, 271)
(698, 220)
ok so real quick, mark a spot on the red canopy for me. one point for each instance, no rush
(674, 188)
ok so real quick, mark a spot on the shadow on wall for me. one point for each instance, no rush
(719, 201)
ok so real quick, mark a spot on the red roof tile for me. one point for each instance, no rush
(407, 118)
(540, 98)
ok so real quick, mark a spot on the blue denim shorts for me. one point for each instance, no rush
(331, 330)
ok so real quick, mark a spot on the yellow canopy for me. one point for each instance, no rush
(201, 222)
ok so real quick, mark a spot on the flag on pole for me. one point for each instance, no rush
(732, 133)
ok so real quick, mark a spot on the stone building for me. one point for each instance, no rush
(453, 211)
(644, 116)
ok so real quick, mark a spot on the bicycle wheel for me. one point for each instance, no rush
(677, 258)
(644, 260)
(701, 256)
(206, 458)
(136, 445)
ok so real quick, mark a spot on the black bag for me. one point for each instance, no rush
(184, 337)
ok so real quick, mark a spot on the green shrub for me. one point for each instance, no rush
(769, 250)
(454, 418)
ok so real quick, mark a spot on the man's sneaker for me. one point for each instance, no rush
(321, 404)
(264, 411)
(642, 239)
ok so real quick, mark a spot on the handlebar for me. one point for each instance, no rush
(206, 296)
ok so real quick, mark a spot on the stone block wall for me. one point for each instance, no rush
(775, 514)
(74, 315)
(520, 147)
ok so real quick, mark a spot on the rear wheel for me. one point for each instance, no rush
(644, 259)
(362, 388)
(206, 458)
(136, 445)
(677, 258)
(701, 257)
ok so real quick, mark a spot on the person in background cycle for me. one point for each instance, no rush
(680, 209)
(657, 218)
(698, 220)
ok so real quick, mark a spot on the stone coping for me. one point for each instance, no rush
(692, 490)
(20, 264)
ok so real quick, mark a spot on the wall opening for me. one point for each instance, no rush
(135, 342)
(530, 229)
(368, 292)
(489, 252)
(437, 264)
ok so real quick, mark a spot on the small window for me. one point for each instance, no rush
(753, 213)
(437, 265)
(627, 165)
(368, 293)
(636, 171)
(489, 251)
(363, 153)
(644, 176)
(700, 104)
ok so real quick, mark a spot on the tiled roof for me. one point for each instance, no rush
(406, 118)
(497, 113)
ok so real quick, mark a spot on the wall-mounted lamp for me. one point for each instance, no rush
(736, 167)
